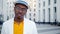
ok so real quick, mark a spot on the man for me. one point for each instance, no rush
(19, 24)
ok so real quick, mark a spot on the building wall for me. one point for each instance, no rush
(4, 10)
(32, 12)
(46, 10)
(8, 10)
(1, 8)
(58, 10)
(39, 10)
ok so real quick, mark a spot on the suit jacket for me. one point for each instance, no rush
(29, 27)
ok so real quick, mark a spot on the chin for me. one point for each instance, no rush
(19, 17)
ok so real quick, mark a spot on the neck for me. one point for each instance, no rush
(18, 19)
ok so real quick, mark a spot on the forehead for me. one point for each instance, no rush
(21, 6)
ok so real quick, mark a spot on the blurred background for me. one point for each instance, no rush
(45, 13)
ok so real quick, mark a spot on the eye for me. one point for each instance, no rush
(17, 7)
(24, 9)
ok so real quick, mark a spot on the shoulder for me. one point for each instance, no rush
(8, 22)
(27, 20)
(31, 23)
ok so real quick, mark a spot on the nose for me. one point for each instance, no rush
(20, 11)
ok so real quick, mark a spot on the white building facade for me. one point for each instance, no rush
(7, 9)
(32, 12)
(44, 10)
(1, 10)
(39, 10)
(49, 11)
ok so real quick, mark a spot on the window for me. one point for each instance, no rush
(30, 18)
(55, 17)
(39, 5)
(35, 5)
(39, 15)
(30, 9)
(44, 14)
(49, 2)
(34, 9)
(49, 14)
(30, 14)
(44, 3)
(0, 17)
(34, 19)
(55, 9)
(10, 7)
(39, 0)
(39, 10)
(54, 1)
(7, 3)
(10, 2)
(7, 17)
(34, 1)
(34, 14)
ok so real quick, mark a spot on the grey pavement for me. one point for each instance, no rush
(48, 29)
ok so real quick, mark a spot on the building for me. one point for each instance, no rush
(39, 10)
(32, 12)
(7, 9)
(49, 11)
(1, 17)
(44, 10)
(1, 10)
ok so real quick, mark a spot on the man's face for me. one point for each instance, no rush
(20, 11)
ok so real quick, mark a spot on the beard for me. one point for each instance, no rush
(19, 16)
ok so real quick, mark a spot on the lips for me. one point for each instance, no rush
(19, 15)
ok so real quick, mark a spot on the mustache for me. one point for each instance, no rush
(19, 13)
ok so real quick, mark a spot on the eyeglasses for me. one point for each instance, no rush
(22, 9)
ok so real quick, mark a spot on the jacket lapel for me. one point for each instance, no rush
(25, 25)
(11, 26)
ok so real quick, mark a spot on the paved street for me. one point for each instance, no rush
(48, 29)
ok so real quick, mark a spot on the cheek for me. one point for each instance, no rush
(16, 11)
(25, 13)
